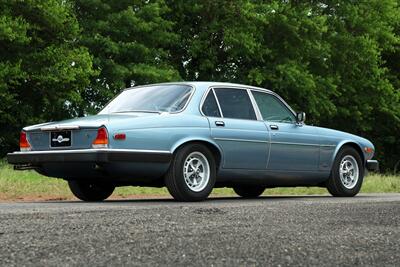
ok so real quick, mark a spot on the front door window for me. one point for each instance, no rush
(272, 109)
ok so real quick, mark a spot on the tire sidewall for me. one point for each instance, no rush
(179, 161)
(345, 151)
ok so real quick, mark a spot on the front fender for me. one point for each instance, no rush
(352, 143)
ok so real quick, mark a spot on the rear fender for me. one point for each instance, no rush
(206, 141)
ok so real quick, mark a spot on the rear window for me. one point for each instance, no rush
(158, 98)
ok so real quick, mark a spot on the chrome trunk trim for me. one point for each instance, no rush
(59, 127)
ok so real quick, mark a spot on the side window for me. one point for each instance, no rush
(210, 107)
(235, 103)
(272, 109)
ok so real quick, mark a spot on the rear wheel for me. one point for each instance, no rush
(192, 173)
(248, 191)
(347, 173)
(91, 191)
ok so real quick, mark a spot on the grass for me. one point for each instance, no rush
(29, 185)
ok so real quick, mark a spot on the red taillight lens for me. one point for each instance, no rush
(101, 138)
(23, 142)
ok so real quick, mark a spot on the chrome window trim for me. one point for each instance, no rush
(255, 106)
(244, 87)
(193, 89)
(219, 106)
(203, 99)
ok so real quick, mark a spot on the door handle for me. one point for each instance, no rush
(220, 123)
(274, 127)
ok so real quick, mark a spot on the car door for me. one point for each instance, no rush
(294, 147)
(244, 140)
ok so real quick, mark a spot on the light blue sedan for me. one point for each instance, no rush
(192, 137)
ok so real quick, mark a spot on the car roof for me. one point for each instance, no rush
(204, 85)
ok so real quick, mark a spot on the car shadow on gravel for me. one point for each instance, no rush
(210, 199)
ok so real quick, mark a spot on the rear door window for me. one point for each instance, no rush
(235, 103)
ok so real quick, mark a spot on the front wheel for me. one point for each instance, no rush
(347, 173)
(192, 173)
(91, 191)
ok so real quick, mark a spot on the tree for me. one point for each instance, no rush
(324, 57)
(129, 40)
(362, 35)
(338, 60)
(277, 45)
(43, 69)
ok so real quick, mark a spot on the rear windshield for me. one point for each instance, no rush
(158, 98)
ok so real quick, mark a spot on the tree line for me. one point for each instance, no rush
(337, 60)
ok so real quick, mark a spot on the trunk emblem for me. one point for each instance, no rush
(60, 139)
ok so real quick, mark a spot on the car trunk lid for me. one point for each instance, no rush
(76, 133)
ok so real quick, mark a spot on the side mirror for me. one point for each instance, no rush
(300, 117)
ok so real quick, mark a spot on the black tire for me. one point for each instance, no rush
(249, 191)
(91, 191)
(175, 181)
(334, 184)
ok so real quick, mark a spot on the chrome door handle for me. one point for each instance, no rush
(274, 127)
(220, 123)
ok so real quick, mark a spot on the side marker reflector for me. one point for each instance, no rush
(368, 149)
(119, 136)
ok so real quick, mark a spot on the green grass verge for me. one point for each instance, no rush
(16, 185)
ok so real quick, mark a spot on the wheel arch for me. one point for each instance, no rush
(211, 145)
(352, 144)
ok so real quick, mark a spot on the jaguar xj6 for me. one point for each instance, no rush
(192, 137)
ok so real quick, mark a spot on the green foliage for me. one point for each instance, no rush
(369, 100)
(43, 69)
(129, 41)
(337, 60)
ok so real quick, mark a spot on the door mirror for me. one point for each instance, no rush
(300, 117)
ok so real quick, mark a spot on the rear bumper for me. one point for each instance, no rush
(37, 158)
(372, 165)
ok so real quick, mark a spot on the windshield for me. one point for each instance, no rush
(158, 98)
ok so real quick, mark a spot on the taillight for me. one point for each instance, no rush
(23, 142)
(101, 140)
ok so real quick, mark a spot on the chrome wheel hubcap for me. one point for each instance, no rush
(196, 171)
(349, 172)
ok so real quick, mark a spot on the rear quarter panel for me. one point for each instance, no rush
(164, 132)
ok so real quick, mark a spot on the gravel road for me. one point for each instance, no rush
(301, 231)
